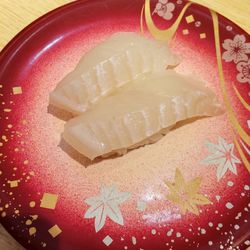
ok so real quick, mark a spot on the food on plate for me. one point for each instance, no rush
(117, 61)
(140, 113)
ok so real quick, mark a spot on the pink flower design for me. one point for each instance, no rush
(164, 9)
(244, 69)
(236, 49)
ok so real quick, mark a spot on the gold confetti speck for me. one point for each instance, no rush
(54, 231)
(17, 90)
(32, 173)
(26, 162)
(28, 222)
(13, 184)
(9, 125)
(4, 138)
(32, 204)
(185, 32)
(203, 35)
(190, 19)
(1, 144)
(7, 110)
(17, 211)
(1, 208)
(3, 214)
(16, 149)
(34, 217)
(6, 205)
(32, 231)
(49, 201)
(1, 172)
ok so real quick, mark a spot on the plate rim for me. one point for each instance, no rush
(24, 35)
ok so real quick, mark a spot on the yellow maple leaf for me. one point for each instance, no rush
(185, 193)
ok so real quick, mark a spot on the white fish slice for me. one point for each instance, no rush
(139, 114)
(115, 62)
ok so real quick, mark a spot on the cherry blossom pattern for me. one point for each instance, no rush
(236, 49)
(106, 205)
(244, 72)
(185, 193)
(164, 9)
(222, 155)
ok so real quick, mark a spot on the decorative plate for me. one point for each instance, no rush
(189, 190)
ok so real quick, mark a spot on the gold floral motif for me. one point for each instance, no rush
(231, 113)
(185, 193)
(242, 155)
(243, 102)
(232, 117)
(162, 35)
(167, 35)
(142, 17)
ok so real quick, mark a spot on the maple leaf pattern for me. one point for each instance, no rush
(185, 194)
(222, 156)
(106, 205)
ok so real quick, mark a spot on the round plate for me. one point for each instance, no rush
(189, 190)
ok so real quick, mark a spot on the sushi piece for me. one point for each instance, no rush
(121, 58)
(140, 113)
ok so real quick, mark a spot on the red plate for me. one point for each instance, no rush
(189, 190)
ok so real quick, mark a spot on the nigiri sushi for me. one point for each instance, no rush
(139, 113)
(117, 61)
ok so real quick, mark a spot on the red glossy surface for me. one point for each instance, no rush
(35, 162)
